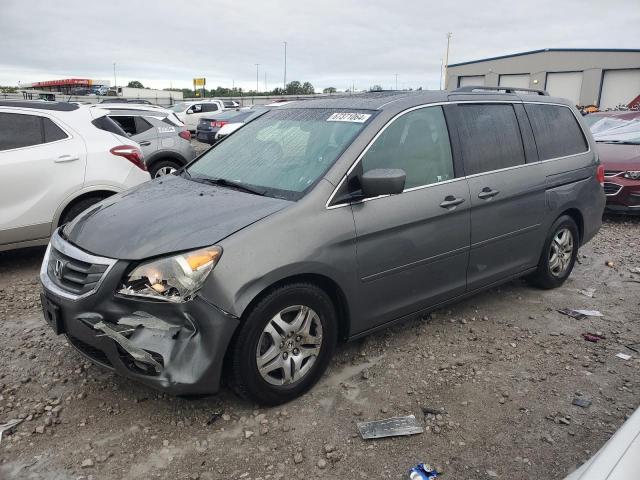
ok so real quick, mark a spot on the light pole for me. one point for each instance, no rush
(115, 82)
(285, 66)
(446, 59)
(257, 69)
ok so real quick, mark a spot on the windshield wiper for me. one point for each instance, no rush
(228, 183)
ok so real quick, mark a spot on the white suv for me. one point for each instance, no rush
(190, 112)
(57, 159)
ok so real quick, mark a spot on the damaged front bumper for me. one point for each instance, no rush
(175, 347)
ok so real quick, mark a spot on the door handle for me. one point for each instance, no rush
(487, 193)
(66, 158)
(145, 143)
(451, 201)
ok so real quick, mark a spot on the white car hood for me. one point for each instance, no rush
(618, 459)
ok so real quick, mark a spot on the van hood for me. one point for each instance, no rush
(166, 215)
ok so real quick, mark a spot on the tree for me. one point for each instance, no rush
(376, 88)
(135, 84)
(329, 90)
(307, 89)
(294, 88)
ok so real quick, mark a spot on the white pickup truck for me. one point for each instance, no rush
(189, 112)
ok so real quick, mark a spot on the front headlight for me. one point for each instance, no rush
(632, 174)
(175, 279)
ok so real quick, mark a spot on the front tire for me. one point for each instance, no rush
(284, 344)
(558, 255)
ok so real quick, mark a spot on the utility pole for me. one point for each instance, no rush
(285, 66)
(257, 68)
(446, 59)
(115, 83)
(396, 81)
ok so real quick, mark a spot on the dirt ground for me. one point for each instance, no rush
(502, 368)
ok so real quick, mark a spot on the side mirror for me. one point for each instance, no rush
(383, 181)
(189, 111)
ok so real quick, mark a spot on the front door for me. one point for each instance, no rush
(412, 248)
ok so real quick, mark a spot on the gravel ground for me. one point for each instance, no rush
(502, 368)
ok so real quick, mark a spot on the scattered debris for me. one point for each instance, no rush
(390, 427)
(581, 402)
(623, 356)
(587, 292)
(214, 417)
(634, 346)
(592, 337)
(9, 426)
(635, 270)
(580, 314)
(433, 411)
(609, 263)
(572, 313)
(423, 471)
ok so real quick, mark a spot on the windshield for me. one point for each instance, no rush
(616, 130)
(179, 107)
(283, 152)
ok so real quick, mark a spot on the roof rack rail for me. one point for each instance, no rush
(480, 88)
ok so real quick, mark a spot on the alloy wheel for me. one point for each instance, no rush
(561, 252)
(164, 171)
(289, 345)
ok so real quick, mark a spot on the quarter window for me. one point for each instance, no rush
(489, 136)
(556, 131)
(418, 143)
(52, 132)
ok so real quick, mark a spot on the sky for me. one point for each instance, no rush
(331, 43)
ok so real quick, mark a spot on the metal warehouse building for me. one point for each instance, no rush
(603, 77)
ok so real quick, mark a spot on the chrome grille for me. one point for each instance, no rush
(611, 188)
(612, 173)
(70, 272)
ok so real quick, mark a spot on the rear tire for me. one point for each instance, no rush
(164, 167)
(558, 255)
(77, 207)
(268, 342)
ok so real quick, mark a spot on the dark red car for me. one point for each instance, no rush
(618, 137)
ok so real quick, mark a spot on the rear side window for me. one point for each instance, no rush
(556, 131)
(489, 136)
(17, 131)
(108, 125)
(142, 125)
(209, 107)
(418, 143)
(52, 132)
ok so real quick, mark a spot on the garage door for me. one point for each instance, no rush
(565, 85)
(515, 81)
(475, 80)
(619, 87)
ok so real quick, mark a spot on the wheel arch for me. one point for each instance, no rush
(165, 155)
(324, 283)
(577, 217)
(69, 202)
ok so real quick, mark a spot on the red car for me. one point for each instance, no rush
(618, 138)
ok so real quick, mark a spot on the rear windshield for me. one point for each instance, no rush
(283, 152)
(229, 104)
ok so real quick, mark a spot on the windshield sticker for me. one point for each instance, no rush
(349, 117)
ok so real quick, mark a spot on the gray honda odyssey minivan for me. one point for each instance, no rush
(322, 221)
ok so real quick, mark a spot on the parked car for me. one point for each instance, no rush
(234, 124)
(208, 126)
(618, 459)
(618, 140)
(126, 100)
(323, 220)
(190, 112)
(164, 140)
(58, 159)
